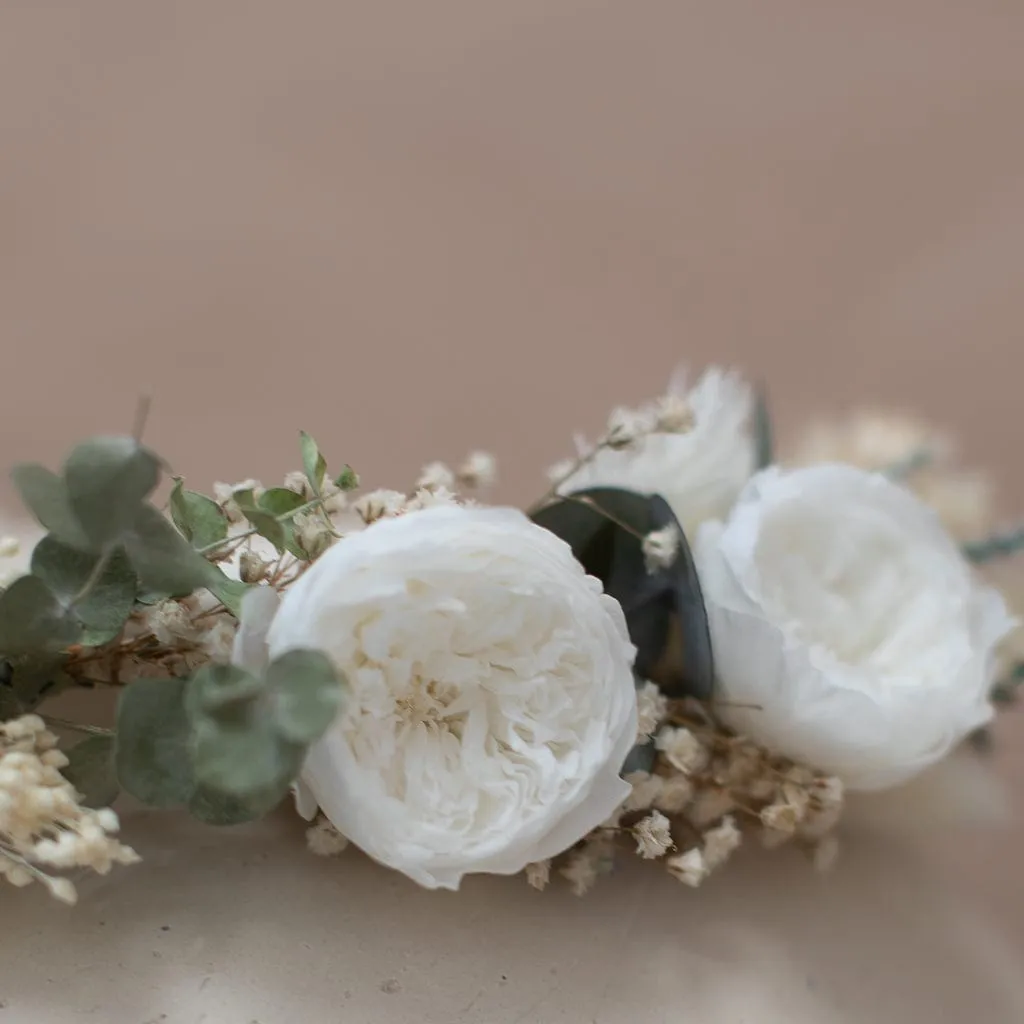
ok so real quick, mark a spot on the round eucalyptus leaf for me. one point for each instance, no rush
(90, 769)
(46, 496)
(107, 480)
(243, 757)
(33, 619)
(216, 808)
(105, 607)
(164, 561)
(307, 694)
(152, 754)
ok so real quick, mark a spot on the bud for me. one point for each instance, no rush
(347, 479)
(312, 534)
(251, 568)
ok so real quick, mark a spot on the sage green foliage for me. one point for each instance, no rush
(313, 463)
(764, 435)
(91, 771)
(199, 518)
(226, 743)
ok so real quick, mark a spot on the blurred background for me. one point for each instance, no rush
(418, 228)
(413, 228)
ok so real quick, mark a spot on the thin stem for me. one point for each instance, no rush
(590, 503)
(579, 463)
(141, 416)
(89, 730)
(999, 545)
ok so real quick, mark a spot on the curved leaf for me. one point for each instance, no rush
(90, 769)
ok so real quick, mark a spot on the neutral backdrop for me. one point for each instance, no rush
(415, 228)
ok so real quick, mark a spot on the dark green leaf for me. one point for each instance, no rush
(153, 753)
(313, 462)
(32, 678)
(198, 517)
(764, 444)
(46, 497)
(228, 591)
(91, 770)
(107, 480)
(640, 759)
(215, 808)
(279, 501)
(307, 692)
(32, 619)
(665, 609)
(999, 545)
(163, 559)
(106, 606)
(265, 525)
(10, 706)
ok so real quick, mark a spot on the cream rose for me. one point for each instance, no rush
(840, 608)
(492, 701)
(699, 471)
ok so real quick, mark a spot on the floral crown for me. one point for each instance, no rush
(684, 643)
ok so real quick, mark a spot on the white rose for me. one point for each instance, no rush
(842, 610)
(492, 700)
(699, 472)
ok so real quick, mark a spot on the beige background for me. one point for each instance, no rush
(412, 228)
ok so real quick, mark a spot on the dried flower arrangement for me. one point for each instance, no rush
(683, 643)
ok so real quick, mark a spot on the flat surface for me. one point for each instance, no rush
(418, 228)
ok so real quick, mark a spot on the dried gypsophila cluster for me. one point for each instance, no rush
(706, 790)
(43, 827)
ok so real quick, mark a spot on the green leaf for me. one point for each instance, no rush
(313, 462)
(34, 677)
(215, 808)
(32, 619)
(764, 445)
(110, 599)
(999, 545)
(665, 609)
(223, 691)
(243, 757)
(228, 591)
(163, 559)
(307, 692)
(152, 753)
(279, 501)
(10, 706)
(347, 479)
(107, 480)
(91, 770)
(46, 497)
(266, 525)
(640, 759)
(199, 518)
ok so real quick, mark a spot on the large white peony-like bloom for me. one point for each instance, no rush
(700, 471)
(842, 610)
(492, 700)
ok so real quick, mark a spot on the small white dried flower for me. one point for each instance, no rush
(653, 836)
(646, 788)
(9, 547)
(312, 534)
(588, 862)
(431, 499)
(323, 839)
(651, 708)
(224, 495)
(561, 470)
(689, 868)
(251, 568)
(435, 476)
(217, 641)
(169, 623)
(710, 804)
(538, 874)
(720, 842)
(660, 548)
(673, 415)
(682, 749)
(782, 817)
(379, 504)
(480, 470)
(296, 481)
(625, 427)
(674, 794)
